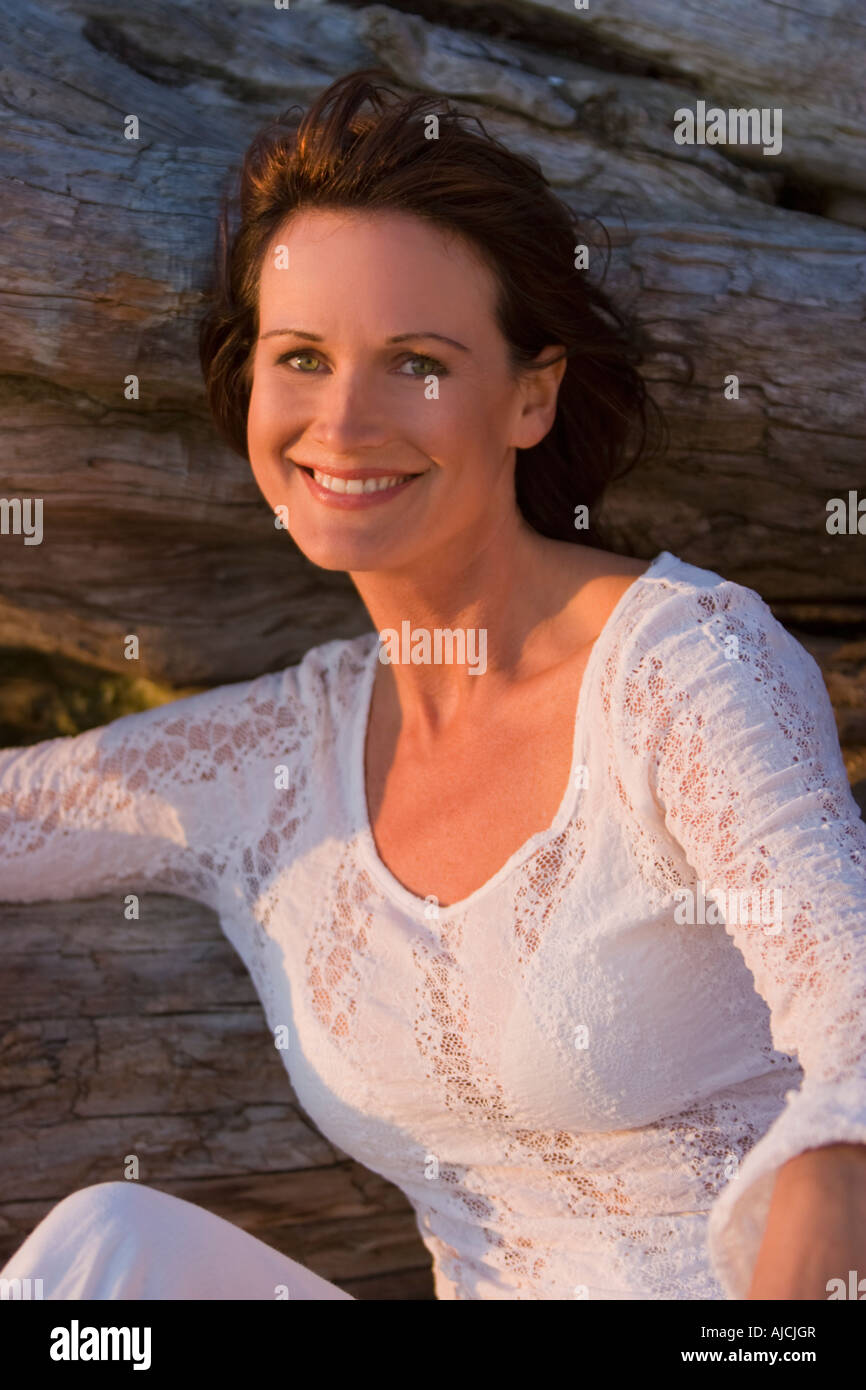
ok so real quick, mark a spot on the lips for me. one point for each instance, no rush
(355, 487)
(351, 474)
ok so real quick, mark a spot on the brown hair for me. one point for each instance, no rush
(463, 182)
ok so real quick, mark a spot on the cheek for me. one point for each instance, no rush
(262, 416)
(458, 427)
(264, 444)
(473, 432)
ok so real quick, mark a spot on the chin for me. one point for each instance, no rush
(340, 555)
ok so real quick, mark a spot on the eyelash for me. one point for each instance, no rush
(439, 368)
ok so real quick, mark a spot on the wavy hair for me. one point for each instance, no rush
(465, 181)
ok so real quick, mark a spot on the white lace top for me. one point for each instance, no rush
(582, 1093)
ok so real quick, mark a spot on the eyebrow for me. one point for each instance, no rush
(398, 337)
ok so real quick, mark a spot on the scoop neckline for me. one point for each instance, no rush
(388, 882)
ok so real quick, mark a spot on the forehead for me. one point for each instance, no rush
(383, 264)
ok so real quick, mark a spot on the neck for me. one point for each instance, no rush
(494, 596)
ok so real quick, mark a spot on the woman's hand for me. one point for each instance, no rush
(816, 1225)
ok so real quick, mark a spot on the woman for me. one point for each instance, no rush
(543, 945)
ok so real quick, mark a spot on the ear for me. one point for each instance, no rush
(539, 387)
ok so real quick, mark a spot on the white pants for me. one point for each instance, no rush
(126, 1240)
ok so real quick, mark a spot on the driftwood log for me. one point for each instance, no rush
(117, 1040)
(145, 1039)
(152, 527)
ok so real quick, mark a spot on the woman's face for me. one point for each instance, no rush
(355, 404)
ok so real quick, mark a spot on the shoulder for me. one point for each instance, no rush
(686, 636)
(682, 607)
(253, 715)
(716, 715)
(329, 669)
(331, 672)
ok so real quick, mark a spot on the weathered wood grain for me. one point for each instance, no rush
(806, 59)
(118, 1039)
(153, 527)
(147, 1038)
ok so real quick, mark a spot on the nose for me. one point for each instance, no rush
(348, 416)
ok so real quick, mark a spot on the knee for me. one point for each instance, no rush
(102, 1201)
(102, 1214)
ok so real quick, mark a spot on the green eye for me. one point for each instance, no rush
(290, 356)
(434, 368)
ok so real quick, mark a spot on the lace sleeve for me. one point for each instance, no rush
(149, 800)
(730, 717)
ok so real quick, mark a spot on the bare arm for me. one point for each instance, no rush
(816, 1225)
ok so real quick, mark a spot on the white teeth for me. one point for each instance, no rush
(355, 485)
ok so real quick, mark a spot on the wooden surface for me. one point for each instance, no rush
(153, 527)
(123, 1038)
(117, 1040)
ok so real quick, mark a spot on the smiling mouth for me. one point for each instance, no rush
(354, 485)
